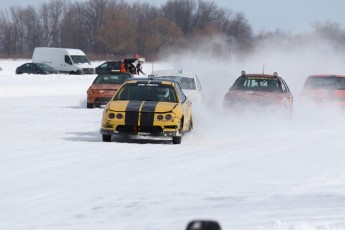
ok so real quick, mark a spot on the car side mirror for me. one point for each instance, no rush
(203, 225)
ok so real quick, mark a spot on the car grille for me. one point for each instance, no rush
(133, 129)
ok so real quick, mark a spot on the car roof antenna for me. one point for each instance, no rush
(263, 69)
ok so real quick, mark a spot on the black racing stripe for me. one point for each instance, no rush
(148, 113)
(132, 112)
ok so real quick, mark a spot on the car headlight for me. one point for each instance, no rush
(111, 115)
(160, 117)
(168, 117)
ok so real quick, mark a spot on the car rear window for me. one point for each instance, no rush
(255, 83)
(111, 79)
(325, 83)
(185, 82)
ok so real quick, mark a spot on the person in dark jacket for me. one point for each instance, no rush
(139, 68)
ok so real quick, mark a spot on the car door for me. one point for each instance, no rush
(29, 68)
(34, 69)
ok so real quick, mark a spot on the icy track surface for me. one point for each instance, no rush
(247, 172)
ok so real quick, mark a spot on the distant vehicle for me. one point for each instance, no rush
(148, 107)
(70, 61)
(188, 81)
(108, 67)
(115, 66)
(259, 91)
(325, 89)
(35, 68)
(104, 87)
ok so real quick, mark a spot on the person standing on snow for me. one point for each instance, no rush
(139, 68)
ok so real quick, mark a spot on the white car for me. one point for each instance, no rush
(188, 81)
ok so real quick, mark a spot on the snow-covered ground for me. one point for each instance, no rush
(251, 172)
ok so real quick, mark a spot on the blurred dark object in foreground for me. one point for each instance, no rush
(203, 225)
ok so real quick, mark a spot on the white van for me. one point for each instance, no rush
(71, 61)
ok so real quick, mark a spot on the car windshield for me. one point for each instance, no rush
(111, 79)
(255, 83)
(79, 59)
(325, 83)
(185, 82)
(147, 92)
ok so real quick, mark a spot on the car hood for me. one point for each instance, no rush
(143, 106)
(84, 65)
(105, 86)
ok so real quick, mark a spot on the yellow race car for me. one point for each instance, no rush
(148, 107)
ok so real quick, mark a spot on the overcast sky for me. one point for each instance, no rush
(263, 15)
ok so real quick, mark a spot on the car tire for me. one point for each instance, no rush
(106, 138)
(89, 105)
(176, 140)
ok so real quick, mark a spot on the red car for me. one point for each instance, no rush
(104, 87)
(325, 89)
(259, 91)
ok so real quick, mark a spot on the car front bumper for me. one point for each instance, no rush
(137, 131)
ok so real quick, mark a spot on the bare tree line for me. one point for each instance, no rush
(116, 28)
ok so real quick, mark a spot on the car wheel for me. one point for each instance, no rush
(176, 140)
(89, 105)
(106, 137)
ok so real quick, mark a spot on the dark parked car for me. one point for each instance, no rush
(115, 66)
(108, 67)
(36, 68)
